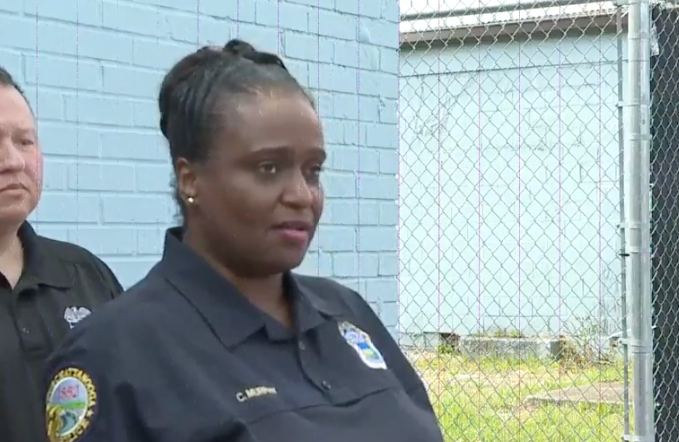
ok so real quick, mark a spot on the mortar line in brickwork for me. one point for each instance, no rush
(77, 112)
(318, 106)
(37, 66)
(399, 309)
(197, 24)
(358, 155)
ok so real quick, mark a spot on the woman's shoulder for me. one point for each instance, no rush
(333, 294)
(341, 301)
(322, 284)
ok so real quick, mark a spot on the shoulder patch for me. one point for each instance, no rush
(70, 405)
(362, 344)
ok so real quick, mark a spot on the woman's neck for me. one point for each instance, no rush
(265, 292)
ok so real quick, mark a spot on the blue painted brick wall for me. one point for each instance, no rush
(92, 69)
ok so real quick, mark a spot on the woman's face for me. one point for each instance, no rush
(258, 198)
(20, 158)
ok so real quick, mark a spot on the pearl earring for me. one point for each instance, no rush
(190, 200)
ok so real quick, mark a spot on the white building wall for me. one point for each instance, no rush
(509, 188)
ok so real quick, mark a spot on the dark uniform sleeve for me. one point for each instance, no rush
(82, 400)
(393, 356)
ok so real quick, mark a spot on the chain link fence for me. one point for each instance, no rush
(522, 281)
(665, 218)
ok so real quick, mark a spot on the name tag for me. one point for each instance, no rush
(255, 392)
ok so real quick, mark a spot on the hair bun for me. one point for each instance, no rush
(245, 50)
(239, 48)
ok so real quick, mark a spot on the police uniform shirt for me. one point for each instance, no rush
(184, 357)
(60, 284)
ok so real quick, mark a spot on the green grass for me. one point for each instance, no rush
(76, 405)
(484, 400)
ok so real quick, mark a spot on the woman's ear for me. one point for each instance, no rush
(186, 180)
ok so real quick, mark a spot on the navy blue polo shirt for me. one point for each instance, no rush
(184, 357)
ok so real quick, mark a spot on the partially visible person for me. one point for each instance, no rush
(221, 342)
(46, 286)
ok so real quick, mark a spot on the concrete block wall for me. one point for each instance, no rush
(92, 68)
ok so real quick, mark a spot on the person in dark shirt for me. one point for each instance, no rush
(220, 341)
(46, 286)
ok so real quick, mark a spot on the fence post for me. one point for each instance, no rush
(623, 248)
(639, 226)
(665, 107)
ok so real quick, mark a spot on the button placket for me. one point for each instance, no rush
(308, 360)
(27, 325)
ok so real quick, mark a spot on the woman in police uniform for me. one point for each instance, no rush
(220, 342)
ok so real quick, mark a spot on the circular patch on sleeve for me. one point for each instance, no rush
(70, 405)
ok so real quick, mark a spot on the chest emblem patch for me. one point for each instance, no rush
(363, 346)
(73, 315)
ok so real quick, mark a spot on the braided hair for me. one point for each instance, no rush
(206, 81)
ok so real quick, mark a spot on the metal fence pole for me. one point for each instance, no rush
(641, 340)
(623, 264)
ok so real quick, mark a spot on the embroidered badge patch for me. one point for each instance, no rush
(73, 315)
(360, 341)
(71, 403)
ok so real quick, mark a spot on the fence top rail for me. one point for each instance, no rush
(536, 11)
(414, 10)
(422, 22)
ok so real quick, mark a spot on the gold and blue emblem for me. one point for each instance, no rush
(70, 405)
(361, 343)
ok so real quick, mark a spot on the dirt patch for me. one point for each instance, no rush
(606, 393)
(436, 374)
(508, 413)
(509, 379)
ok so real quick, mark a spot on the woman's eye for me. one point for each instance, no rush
(268, 168)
